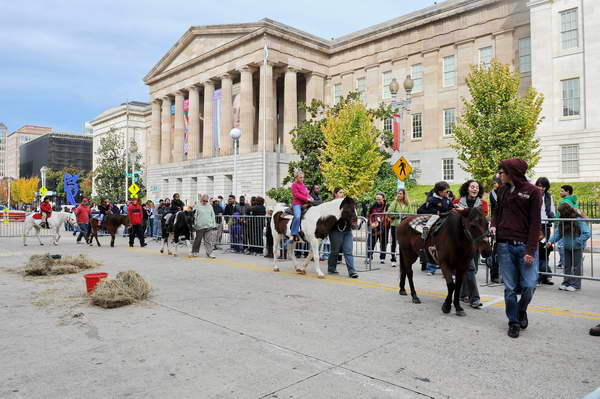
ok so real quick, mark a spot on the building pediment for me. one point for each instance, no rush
(197, 41)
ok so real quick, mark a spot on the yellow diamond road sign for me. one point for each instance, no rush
(43, 191)
(402, 168)
(134, 189)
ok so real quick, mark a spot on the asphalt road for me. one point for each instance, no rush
(232, 328)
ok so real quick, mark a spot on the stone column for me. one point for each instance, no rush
(247, 110)
(290, 108)
(315, 84)
(266, 109)
(179, 128)
(207, 145)
(194, 123)
(226, 113)
(165, 139)
(276, 75)
(155, 134)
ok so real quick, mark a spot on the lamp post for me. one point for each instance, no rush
(43, 171)
(132, 150)
(401, 105)
(235, 134)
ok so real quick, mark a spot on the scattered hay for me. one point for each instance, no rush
(126, 289)
(44, 265)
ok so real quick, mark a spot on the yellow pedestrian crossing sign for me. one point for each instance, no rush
(402, 168)
(6, 215)
(43, 192)
(134, 189)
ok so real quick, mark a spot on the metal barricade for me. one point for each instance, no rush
(16, 227)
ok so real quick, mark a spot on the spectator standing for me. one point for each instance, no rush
(135, 212)
(204, 224)
(494, 266)
(256, 225)
(566, 195)
(341, 239)
(398, 207)
(517, 225)
(378, 227)
(145, 217)
(574, 235)
(269, 235)
(83, 214)
(547, 212)
(471, 196)
(231, 216)
(218, 210)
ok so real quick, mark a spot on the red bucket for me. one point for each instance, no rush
(92, 280)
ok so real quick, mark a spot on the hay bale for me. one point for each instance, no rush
(63, 269)
(80, 261)
(126, 289)
(39, 265)
(139, 287)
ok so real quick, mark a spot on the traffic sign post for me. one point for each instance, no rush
(402, 168)
(43, 192)
(6, 215)
(134, 189)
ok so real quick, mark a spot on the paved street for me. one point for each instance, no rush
(231, 328)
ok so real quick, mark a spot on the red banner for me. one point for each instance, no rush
(396, 131)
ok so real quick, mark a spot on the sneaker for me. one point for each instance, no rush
(513, 332)
(429, 274)
(570, 289)
(270, 256)
(333, 272)
(495, 280)
(559, 266)
(476, 304)
(211, 256)
(595, 331)
(562, 287)
(382, 262)
(143, 245)
(547, 281)
(354, 275)
(393, 264)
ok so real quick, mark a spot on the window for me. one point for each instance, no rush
(485, 56)
(417, 126)
(568, 29)
(387, 79)
(416, 165)
(449, 120)
(525, 55)
(361, 88)
(449, 71)
(570, 97)
(570, 159)
(416, 74)
(448, 169)
(387, 125)
(337, 93)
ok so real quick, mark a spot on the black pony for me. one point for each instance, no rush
(179, 225)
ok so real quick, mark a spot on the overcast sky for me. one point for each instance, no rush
(62, 62)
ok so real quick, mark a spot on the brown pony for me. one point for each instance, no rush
(111, 223)
(463, 233)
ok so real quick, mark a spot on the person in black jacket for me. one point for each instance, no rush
(437, 204)
(493, 260)
(256, 225)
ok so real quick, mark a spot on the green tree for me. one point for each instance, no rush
(109, 175)
(55, 180)
(350, 157)
(497, 122)
(386, 182)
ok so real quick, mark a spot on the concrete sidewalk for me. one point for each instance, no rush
(231, 328)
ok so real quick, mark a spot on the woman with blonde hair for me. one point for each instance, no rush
(398, 207)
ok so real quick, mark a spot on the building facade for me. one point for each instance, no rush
(14, 142)
(565, 37)
(131, 120)
(55, 151)
(3, 135)
(252, 76)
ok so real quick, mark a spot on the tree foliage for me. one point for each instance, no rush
(55, 180)
(23, 190)
(497, 122)
(350, 157)
(109, 175)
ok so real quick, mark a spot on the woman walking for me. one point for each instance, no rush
(471, 193)
(399, 206)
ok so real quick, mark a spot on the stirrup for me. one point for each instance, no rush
(425, 233)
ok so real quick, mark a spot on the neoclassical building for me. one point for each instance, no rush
(252, 76)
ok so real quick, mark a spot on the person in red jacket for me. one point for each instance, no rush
(136, 215)
(83, 214)
(46, 212)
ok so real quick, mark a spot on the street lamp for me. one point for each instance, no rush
(43, 171)
(235, 134)
(401, 105)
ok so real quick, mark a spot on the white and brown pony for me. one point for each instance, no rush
(55, 221)
(316, 224)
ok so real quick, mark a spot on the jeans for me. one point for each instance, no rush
(297, 219)
(206, 236)
(518, 278)
(151, 230)
(573, 261)
(431, 268)
(561, 252)
(378, 234)
(341, 240)
(469, 284)
(83, 231)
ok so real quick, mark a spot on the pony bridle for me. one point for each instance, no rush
(479, 238)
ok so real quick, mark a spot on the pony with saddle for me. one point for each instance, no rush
(174, 227)
(55, 221)
(452, 243)
(111, 224)
(317, 222)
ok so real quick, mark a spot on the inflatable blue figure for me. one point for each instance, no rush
(71, 187)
